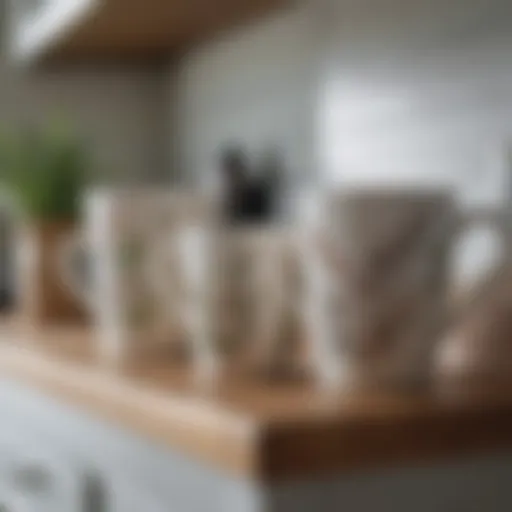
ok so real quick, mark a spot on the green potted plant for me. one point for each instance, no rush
(45, 171)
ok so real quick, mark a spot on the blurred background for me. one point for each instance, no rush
(264, 100)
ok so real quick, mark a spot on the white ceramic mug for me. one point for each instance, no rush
(121, 227)
(377, 276)
(236, 293)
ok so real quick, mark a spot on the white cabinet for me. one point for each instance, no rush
(37, 474)
(66, 461)
(34, 475)
(56, 459)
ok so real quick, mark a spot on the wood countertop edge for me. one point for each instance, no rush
(335, 448)
(276, 449)
(210, 433)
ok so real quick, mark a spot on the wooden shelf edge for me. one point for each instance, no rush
(119, 31)
(194, 426)
(247, 436)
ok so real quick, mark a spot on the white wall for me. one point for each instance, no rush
(419, 90)
(379, 89)
(255, 85)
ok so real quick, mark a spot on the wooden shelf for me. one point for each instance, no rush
(261, 430)
(146, 30)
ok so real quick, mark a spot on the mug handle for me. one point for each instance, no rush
(495, 218)
(67, 251)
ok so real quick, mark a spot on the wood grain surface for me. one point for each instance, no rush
(148, 31)
(259, 429)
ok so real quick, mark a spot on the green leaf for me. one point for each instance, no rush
(46, 169)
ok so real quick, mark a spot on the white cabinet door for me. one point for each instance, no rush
(109, 469)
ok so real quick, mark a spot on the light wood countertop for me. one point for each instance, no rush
(261, 430)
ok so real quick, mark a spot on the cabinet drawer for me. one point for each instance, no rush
(134, 474)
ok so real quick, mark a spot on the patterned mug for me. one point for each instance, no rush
(121, 228)
(238, 299)
(377, 275)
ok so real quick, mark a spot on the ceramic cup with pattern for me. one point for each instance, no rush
(238, 300)
(377, 274)
(121, 228)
